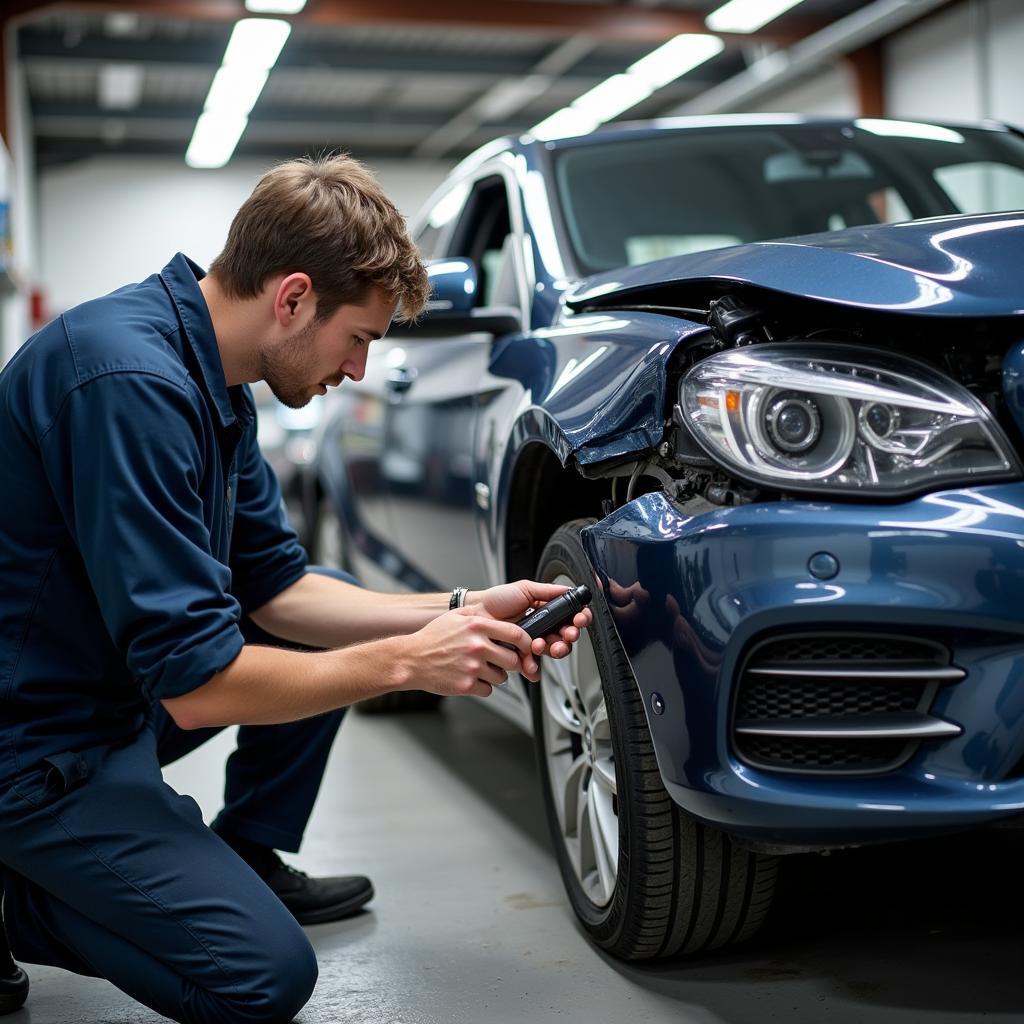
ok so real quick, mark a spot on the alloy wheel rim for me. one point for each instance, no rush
(581, 765)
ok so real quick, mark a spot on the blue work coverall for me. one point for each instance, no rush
(139, 525)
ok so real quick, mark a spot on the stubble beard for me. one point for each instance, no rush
(288, 368)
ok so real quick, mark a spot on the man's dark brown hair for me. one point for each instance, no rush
(326, 217)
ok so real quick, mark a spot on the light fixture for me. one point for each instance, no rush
(612, 97)
(252, 50)
(256, 42)
(747, 15)
(274, 6)
(119, 86)
(214, 140)
(563, 124)
(620, 92)
(675, 58)
(235, 89)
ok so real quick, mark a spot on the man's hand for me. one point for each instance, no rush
(462, 654)
(512, 601)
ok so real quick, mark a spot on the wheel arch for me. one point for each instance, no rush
(542, 495)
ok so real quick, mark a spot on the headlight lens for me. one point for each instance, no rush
(838, 418)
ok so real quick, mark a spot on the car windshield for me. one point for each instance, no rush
(628, 201)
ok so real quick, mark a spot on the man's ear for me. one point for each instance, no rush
(294, 301)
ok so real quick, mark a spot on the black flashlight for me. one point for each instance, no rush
(556, 613)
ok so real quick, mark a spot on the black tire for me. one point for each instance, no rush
(681, 887)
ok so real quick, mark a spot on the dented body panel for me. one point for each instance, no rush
(597, 384)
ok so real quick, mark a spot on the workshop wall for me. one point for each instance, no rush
(960, 64)
(828, 94)
(107, 222)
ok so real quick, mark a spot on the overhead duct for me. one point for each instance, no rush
(784, 66)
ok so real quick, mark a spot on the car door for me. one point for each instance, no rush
(436, 389)
(350, 443)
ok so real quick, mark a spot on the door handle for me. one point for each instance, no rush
(400, 379)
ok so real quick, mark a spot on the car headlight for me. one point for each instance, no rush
(838, 418)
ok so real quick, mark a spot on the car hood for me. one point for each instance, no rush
(943, 266)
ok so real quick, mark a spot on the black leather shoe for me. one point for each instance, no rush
(316, 900)
(311, 900)
(13, 980)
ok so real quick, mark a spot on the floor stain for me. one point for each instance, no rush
(772, 972)
(527, 901)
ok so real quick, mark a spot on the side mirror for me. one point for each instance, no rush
(452, 306)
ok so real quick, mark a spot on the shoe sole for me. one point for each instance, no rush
(336, 911)
(13, 993)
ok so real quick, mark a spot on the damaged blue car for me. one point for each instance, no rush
(760, 382)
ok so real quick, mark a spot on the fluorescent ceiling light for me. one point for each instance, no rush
(252, 51)
(274, 6)
(620, 92)
(563, 124)
(214, 139)
(612, 97)
(119, 86)
(256, 42)
(747, 15)
(908, 129)
(121, 23)
(236, 89)
(675, 58)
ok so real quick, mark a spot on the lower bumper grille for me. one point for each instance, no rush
(839, 703)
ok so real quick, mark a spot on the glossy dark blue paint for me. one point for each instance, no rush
(947, 565)
(592, 386)
(945, 266)
(453, 285)
(597, 386)
(1013, 381)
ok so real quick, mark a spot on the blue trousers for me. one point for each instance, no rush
(109, 872)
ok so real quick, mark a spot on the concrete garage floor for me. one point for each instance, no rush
(470, 926)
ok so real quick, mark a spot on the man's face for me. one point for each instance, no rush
(322, 355)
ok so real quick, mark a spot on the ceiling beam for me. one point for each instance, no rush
(36, 46)
(54, 151)
(604, 21)
(264, 113)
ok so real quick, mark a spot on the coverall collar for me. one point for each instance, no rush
(181, 278)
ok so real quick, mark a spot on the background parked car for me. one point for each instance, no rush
(285, 438)
(790, 469)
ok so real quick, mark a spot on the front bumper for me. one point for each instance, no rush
(690, 596)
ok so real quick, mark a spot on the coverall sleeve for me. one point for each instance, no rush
(266, 556)
(125, 459)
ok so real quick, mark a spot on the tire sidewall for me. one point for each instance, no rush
(564, 555)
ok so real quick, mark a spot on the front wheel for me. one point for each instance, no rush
(644, 878)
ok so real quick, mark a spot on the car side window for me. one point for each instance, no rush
(429, 237)
(485, 235)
